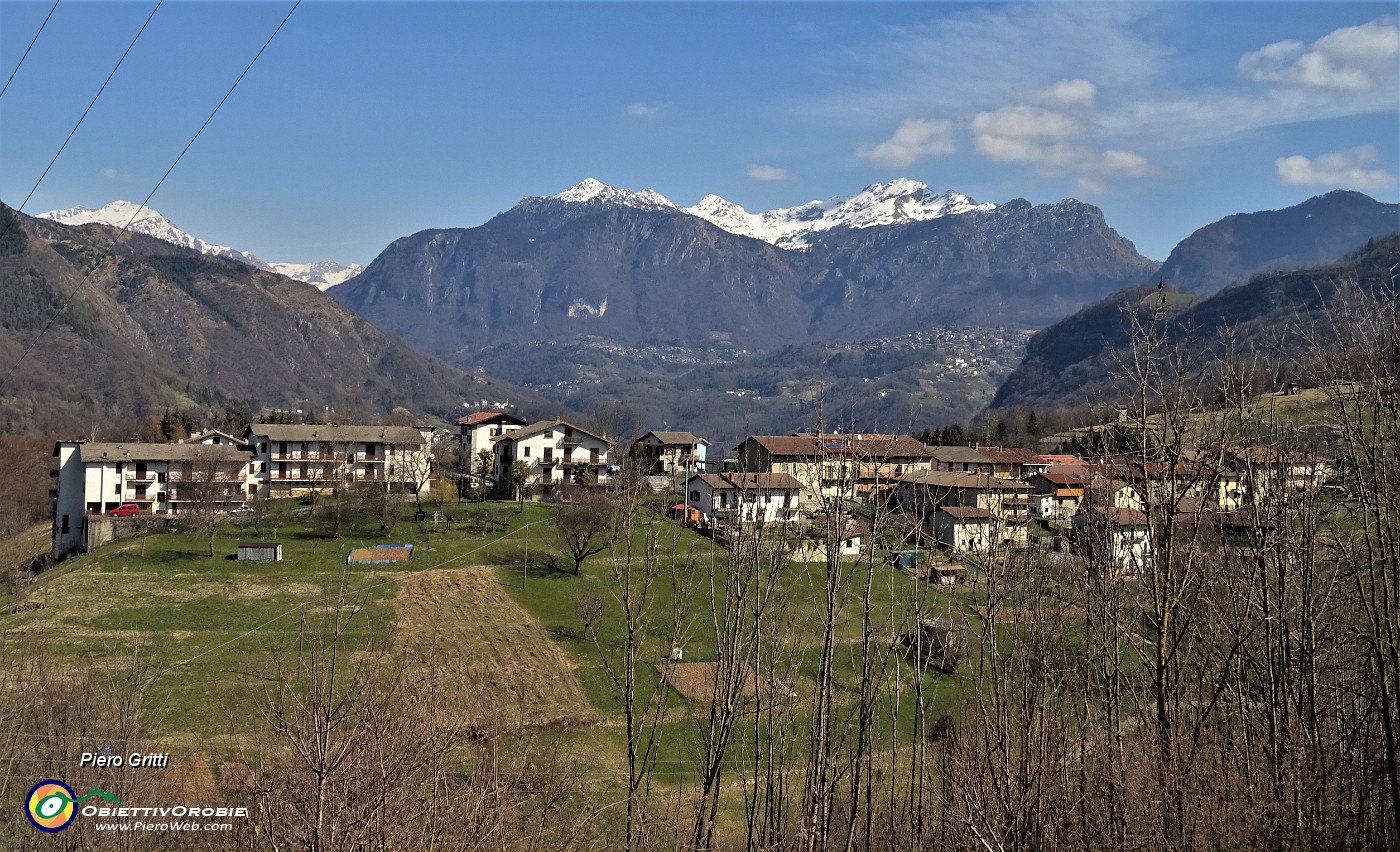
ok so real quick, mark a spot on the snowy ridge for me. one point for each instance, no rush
(150, 222)
(892, 203)
(322, 276)
(590, 190)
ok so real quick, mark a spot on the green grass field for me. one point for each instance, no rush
(503, 633)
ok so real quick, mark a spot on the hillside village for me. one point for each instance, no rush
(966, 502)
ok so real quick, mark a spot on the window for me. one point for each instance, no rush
(695, 496)
(593, 456)
(549, 454)
(117, 488)
(527, 451)
(64, 528)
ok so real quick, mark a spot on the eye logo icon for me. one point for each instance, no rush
(50, 805)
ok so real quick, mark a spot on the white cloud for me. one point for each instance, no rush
(111, 174)
(915, 139)
(1069, 94)
(1020, 133)
(993, 54)
(644, 110)
(1350, 59)
(1112, 67)
(763, 172)
(1046, 140)
(1345, 168)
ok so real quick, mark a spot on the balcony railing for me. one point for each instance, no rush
(308, 456)
(148, 476)
(196, 476)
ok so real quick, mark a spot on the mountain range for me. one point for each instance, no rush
(322, 275)
(637, 269)
(897, 305)
(1317, 231)
(158, 326)
(1277, 319)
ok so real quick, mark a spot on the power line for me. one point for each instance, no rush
(153, 191)
(6, 87)
(81, 118)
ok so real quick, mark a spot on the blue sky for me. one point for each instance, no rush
(364, 122)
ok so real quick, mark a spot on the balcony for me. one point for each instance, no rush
(193, 476)
(148, 476)
(308, 456)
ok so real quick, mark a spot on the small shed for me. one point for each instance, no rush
(938, 642)
(260, 551)
(685, 513)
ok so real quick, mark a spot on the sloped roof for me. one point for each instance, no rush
(334, 432)
(961, 455)
(957, 479)
(213, 433)
(811, 446)
(544, 426)
(967, 513)
(1011, 455)
(476, 418)
(744, 481)
(1120, 517)
(134, 452)
(677, 438)
(1063, 479)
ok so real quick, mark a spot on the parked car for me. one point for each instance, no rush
(125, 510)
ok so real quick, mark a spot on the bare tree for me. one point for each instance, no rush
(580, 525)
(520, 479)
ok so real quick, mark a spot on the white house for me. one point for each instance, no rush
(295, 459)
(160, 479)
(745, 497)
(964, 529)
(1117, 539)
(557, 452)
(479, 430)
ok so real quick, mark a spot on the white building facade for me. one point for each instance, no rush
(557, 452)
(94, 479)
(295, 459)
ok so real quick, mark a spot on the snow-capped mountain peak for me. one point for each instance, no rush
(892, 203)
(591, 189)
(151, 223)
(147, 221)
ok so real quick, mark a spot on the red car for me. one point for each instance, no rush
(125, 510)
